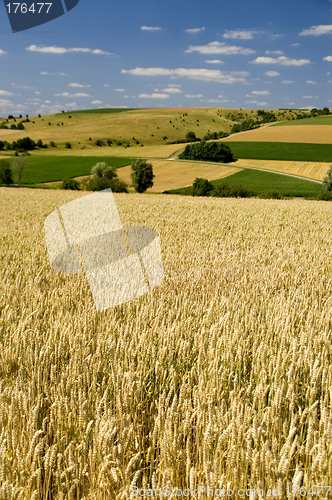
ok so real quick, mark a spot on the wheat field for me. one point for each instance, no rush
(312, 134)
(309, 169)
(221, 377)
(170, 174)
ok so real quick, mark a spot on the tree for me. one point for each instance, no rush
(207, 151)
(5, 172)
(191, 137)
(104, 177)
(68, 183)
(20, 126)
(141, 175)
(67, 145)
(20, 166)
(202, 187)
(327, 182)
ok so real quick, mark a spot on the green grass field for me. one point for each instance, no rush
(283, 151)
(258, 182)
(56, 168)
(317, 120)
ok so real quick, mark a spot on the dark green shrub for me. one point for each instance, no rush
(52, 144)
(5, 173)
(68, 145)
(225, 190)
(202, 187)
(70, 184)
(207, 151)
(99, 142)
(325, 195)
(100, 183)
(20, 126)
(271, 194)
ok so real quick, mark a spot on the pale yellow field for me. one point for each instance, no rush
(310, 170)
(170, 174)
(313, 134)
(220, 378)
(161, 151)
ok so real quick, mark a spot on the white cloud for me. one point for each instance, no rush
(311, 82)
(37, 93)
(322, 29)
(284, 61)
(307, 97)
(150, 28)
(106, 85)
(294, 45)
(96, 102)
(214, 75)
(218, 48)
(54, 74)
(213, 100)
(193, 31)
(280, 52)
(61, 50)
(290, 103)
(260, 92)
(78, 85)
(2, 52)
(189, 96)
(47, 102)
(328, 58)
(172, 90)
(66, 94)
(22, 86)
(7, 106)
(272, 73)
(288, 81)
(119, 90)
(256, 102)
(154, 96)
(214, 61)
(4, 92)
(240, 34)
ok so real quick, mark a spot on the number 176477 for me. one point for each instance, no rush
(23, 8)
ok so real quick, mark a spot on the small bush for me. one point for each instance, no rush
(70, 184)
(99, 142)
(100, 183)
(325, 195)
(5, 173)
(271, 194)
(225, 190)
(202, 187)
(52, 144)
(68, 145)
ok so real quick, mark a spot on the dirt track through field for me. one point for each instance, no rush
(310, 134)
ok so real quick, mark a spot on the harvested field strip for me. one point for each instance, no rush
(310, 170)
(282, 151)
(161, 151)
(313, 134)
(171, 174)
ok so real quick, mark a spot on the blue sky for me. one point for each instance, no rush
(258, 54)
